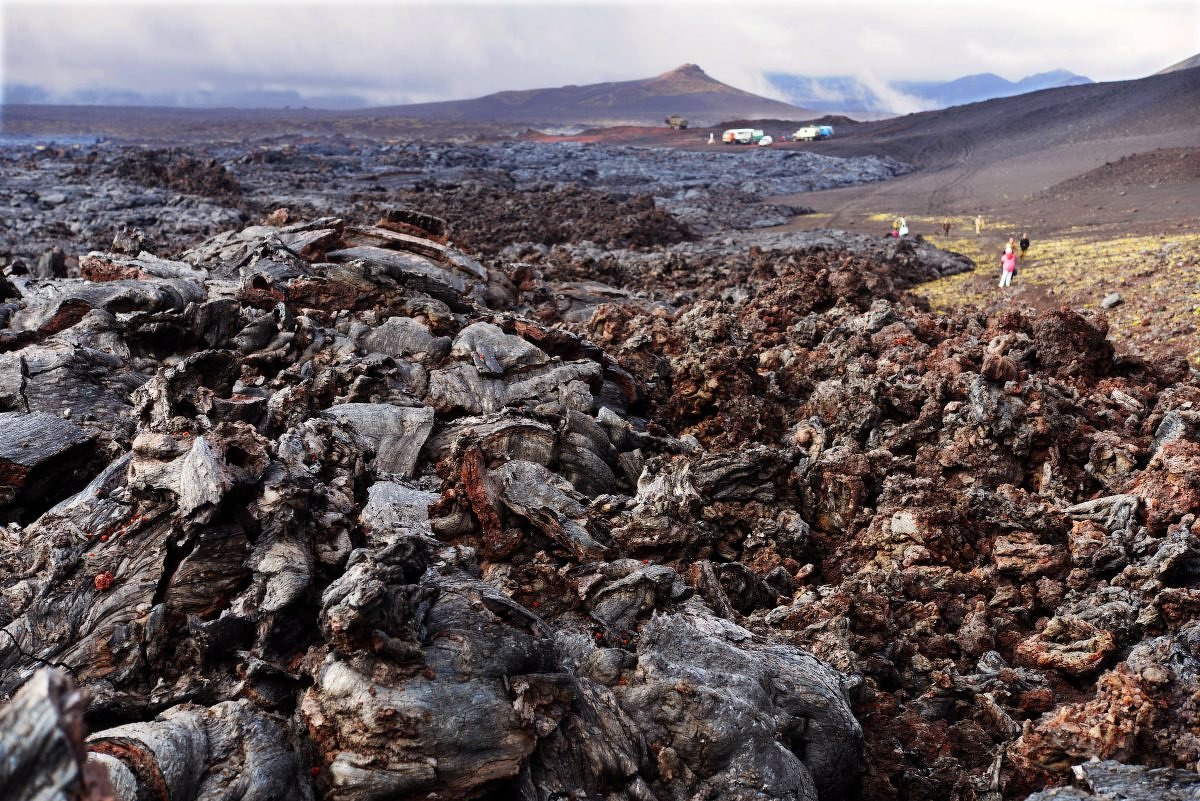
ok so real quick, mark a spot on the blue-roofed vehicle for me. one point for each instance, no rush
(810, 133)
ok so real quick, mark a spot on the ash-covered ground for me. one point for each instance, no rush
(577, 497)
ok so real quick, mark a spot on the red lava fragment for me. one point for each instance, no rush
(103, 581)
(315, 770)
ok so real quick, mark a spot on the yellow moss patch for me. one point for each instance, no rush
(1158, 278)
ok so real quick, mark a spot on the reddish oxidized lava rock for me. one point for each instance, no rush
(469, 533)
(1068, 644)
(1170, 484)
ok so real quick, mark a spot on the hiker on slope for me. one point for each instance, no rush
(1008, 266)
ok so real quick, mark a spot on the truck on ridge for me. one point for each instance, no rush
(676, 122)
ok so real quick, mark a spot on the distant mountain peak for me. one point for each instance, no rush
(688, 79)
(686, 71)
(686, 90)
(1051, 75)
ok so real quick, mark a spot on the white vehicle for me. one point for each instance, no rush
(811, 133)
(766, 140)
(741, 136)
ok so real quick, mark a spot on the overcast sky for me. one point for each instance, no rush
(397, 52)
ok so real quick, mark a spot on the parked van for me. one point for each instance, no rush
(741, 136)
(810, 133)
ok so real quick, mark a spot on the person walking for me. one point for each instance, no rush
(1008, 266)
(1024, 244)
(978, 224)
(946, 226)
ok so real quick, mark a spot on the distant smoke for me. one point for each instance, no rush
(893, 99)
(827, 94)
(848, 94)
(752, 81)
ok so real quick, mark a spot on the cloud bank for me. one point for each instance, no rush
(392, 53)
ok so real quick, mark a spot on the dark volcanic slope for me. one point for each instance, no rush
(1007, 127)
(1186, 64)
(1167, 166)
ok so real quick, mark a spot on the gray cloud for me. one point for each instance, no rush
(391, 52)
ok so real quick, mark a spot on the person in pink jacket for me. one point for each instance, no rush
(1008, 266)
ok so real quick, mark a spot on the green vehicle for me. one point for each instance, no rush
(742, 136)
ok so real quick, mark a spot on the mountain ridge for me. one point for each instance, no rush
(831, 93)
(687, 89)
(1186, 64)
